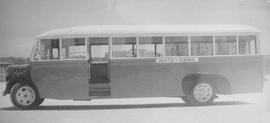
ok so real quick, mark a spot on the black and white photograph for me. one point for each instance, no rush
(135, 61)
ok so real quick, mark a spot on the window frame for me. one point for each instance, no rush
(236, 44)
(39, 49)
(164, 45)
(147, 36)
(89, 49)
(36, 46)
(85, 46)
(60, 46)
(257, 47)
(206, 34)
(137, 45)
(122, 36)
(110, 36)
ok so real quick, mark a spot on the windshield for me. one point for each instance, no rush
(35, 51)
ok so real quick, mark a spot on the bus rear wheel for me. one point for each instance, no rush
(25, 96)
(202, 93)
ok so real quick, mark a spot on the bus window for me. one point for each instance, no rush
(99, 49)
(123, 47)
(176, 46)
(150, 46)
(201, 45)
(74, 48)
(50, 49)
(225, 45)
(247, 44)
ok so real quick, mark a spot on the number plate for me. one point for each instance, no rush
(177, 60)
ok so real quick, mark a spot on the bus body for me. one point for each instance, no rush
(119, 61)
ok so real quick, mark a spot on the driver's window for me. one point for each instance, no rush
(49, 49)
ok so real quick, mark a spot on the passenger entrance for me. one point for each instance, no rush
(99, 82)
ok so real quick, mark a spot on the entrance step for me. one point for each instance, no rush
(99, 93)
(99, 89)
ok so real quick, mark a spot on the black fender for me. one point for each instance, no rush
(19, 78)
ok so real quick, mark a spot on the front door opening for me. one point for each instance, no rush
(99, 65)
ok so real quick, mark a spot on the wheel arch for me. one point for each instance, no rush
(220, 82)
(22, 78)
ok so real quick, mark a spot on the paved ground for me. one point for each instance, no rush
(241, 108)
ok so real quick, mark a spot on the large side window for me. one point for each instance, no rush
(50, 49)
(225, 45)
(74, 48)
(150, 46)
(247, 44)
(123, 47)
(201, 45)
(176, 46)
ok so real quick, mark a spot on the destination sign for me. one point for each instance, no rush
(177, 60)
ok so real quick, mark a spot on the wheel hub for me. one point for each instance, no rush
(25, 95)
(203, 92)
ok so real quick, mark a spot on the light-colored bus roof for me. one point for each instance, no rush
(79, 31)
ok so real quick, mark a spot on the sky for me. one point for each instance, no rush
(22, 20)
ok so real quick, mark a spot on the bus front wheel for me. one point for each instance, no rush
(25, 96)
(202, 93)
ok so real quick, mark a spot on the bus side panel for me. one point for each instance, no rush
(146, 78)
(61, 79)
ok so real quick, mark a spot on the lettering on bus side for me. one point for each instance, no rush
(177, 60)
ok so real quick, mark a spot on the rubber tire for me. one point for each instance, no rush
(193, 100)
(37, 101)
(185, 99)
(40, 101)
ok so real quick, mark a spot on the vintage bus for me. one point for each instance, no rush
(192, 62)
